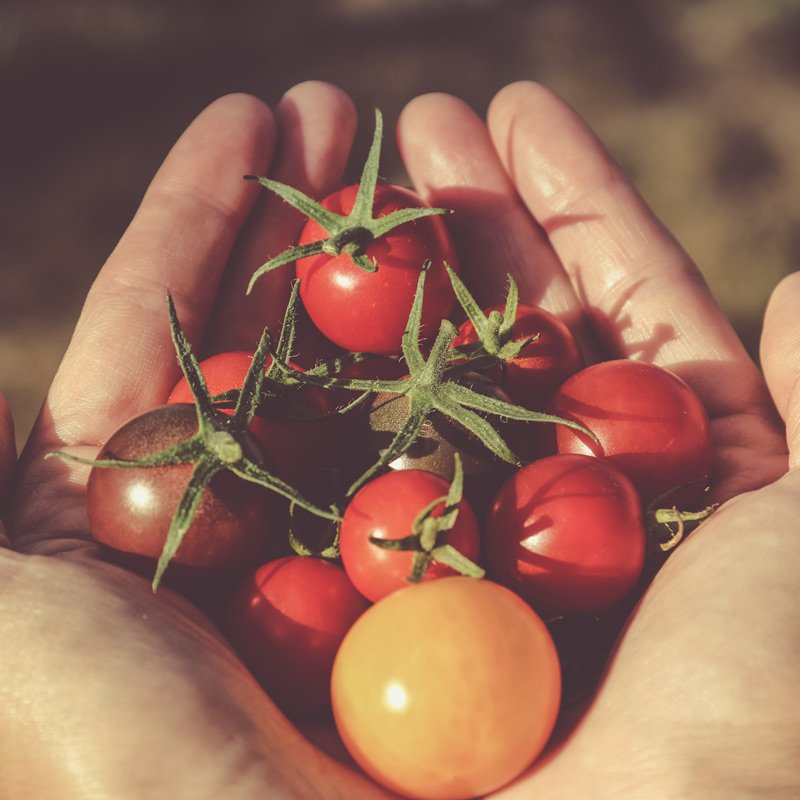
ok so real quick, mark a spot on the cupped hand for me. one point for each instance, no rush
(109, 690)
(697, 699)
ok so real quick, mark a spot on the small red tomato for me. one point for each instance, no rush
(446, 689)
(286, 621)
(648, 421)
(130, 509)
(368, 311)
(289, 443)
(566, 533)
(386, 508)
(542, 365)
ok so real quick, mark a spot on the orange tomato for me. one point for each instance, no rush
(446, 689)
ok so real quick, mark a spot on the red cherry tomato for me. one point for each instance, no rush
(130, 509)
(566, 533)
(287, 621)
(446, 689)
(368, 311)
(543, 365)
(291, 444)
(386, 508)
(649, 423)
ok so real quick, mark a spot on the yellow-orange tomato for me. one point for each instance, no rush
(446, 689)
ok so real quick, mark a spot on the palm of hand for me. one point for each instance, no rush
(148, 675)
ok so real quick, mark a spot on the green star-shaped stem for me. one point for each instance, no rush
(430, 388)
(493, 330)
(347, 233)
(428, 532)
(215, 447)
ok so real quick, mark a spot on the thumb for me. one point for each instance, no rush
(780, 357)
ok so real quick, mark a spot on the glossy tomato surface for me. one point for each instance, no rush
(287, 621)
(446, 689)
(368, 311)
(648, 421)
(542, 365)
(386, 508)
(130, 509)
(566, 533)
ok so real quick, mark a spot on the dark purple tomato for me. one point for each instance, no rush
(433, 450)
(130, 509)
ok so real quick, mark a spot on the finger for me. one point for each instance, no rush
(648, 299)
(121, 360)
(780, 357)
(316, 123)
(452, 162)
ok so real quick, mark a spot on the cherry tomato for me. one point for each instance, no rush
(648, 421)
(446, 689)
(433, 449)
(566, 533)
(287, 621)
(368, 311)
(542, 365)
(130, 509)
(386, 508)
(290, 444)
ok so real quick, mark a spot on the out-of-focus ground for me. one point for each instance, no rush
(699, 101)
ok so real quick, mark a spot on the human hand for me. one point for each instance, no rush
(106, 679)
(109, 690)
(697, 698)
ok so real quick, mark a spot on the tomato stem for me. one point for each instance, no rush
(349, 234)
(427, 539)
(667, 527)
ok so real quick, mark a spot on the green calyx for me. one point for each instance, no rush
(349, 234)
(429, 532)
(274, 398)
(494, 331)
(216, 446)
(432, 386)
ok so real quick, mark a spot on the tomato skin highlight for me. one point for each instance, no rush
(649, 422)
(386, 508)
(130, 509)
(447, 689)
(368, 311)
(287, 621)
(566, 533)
(542, 365)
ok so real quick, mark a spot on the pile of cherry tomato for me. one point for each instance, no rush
(425, 517)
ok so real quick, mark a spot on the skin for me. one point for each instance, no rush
(101, 678)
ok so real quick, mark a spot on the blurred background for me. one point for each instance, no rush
(699, 101)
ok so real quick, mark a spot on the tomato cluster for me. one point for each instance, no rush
(401, 531)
